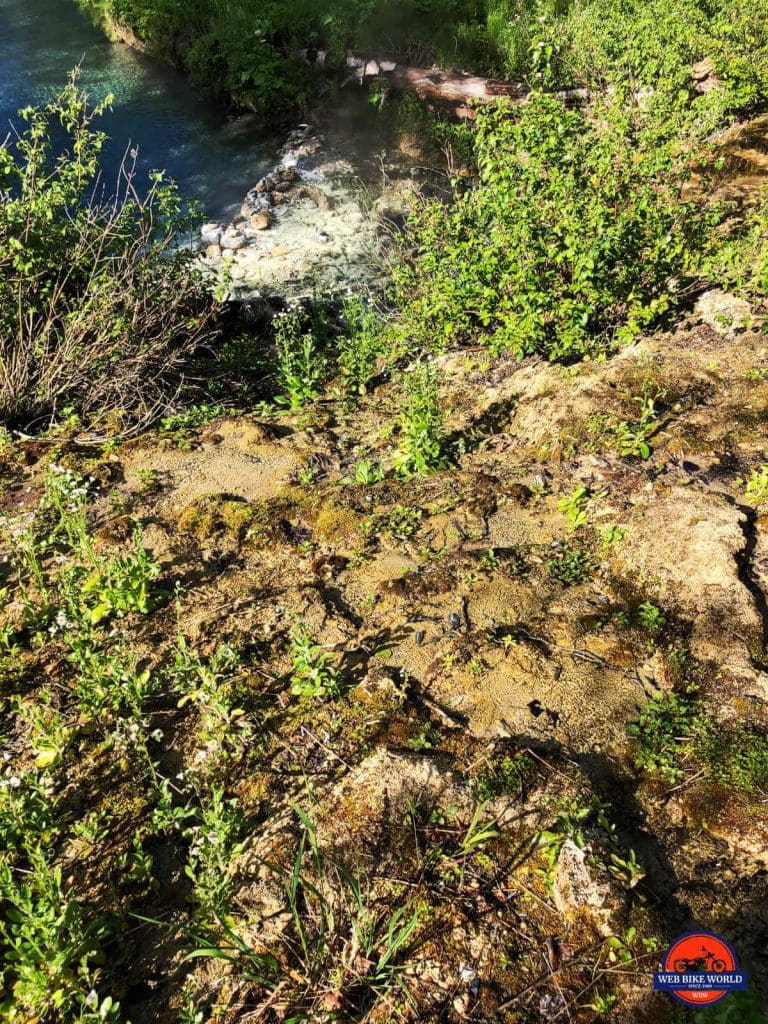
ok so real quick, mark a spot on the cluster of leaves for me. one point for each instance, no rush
(654, 45)
(569, 242)
(675, 737)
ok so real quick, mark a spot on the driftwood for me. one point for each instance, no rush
(462, 89)
(445, 86)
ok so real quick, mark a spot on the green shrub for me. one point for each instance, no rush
(569, 243)
(98, 305)
(741, 259)
(422, 444)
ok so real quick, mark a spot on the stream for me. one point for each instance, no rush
(214, 159)
(287, 216)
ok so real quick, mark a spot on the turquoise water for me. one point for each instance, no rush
(213, 158)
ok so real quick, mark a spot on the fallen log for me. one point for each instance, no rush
(463, 89)
(445, 86)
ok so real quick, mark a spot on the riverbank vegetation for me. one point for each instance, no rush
(398, 657)
(99, 306)
(253, 50)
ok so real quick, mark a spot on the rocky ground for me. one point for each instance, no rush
(522, 725)
(492, 648)
(315, 225)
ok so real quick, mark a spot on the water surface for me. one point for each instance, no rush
(214, 158)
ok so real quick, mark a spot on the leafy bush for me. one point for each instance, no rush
(422, 445)
(741, 259)
(568, 244)
(652, 44)
(98, 305)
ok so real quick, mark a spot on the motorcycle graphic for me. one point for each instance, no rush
(699, 964)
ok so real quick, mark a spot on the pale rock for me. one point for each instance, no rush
(577, 886)
(725, 313)
(210, 233)
(260, 221)
(233, 240)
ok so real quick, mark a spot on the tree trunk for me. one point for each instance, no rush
(445, 86)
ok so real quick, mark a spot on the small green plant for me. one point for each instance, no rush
(402, 521)
(571, 565)
(368, 473)
(149, 480)
(575, 506)
(422, 444)
(137, 864)
(28, 809)
(313, 675)
(631, 440)
(601, 1004)
(612, 534)
(663, 733)
(651, 618)
(756, 487)
(210, 684)
(49, 736)
(215, 833)
(308, 475)
(675, 737)
(181, 427)
(122, 584)
(427, 738)
(569, 824)
(301, 366)
(505, 776)
(360, 348)
(489, 560)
